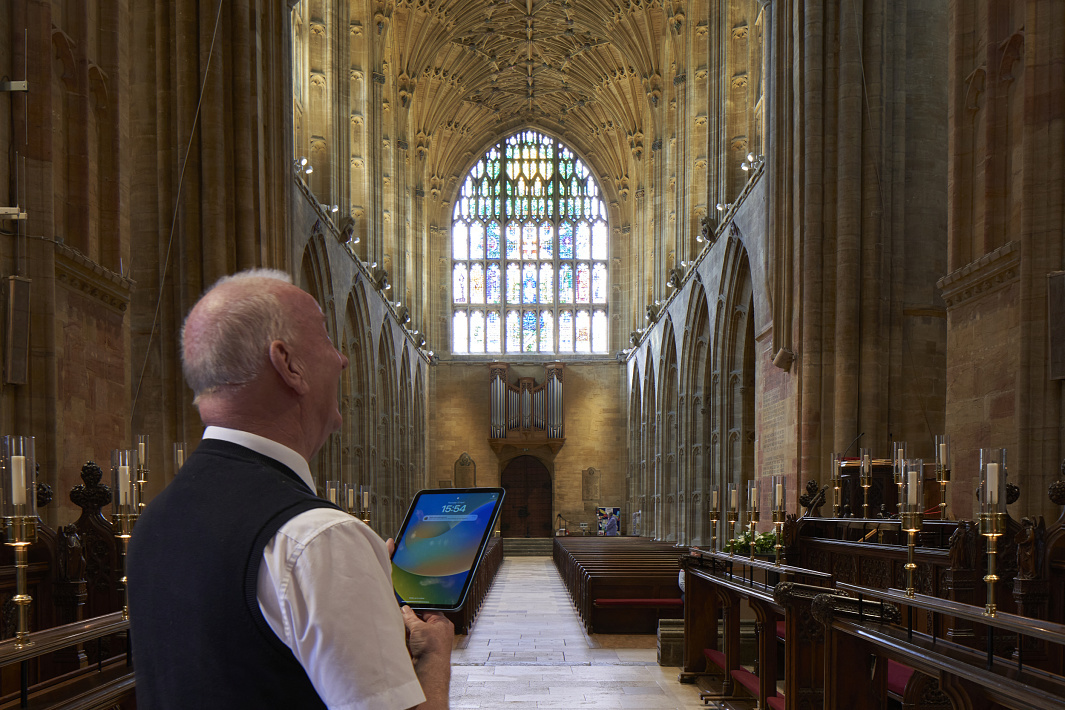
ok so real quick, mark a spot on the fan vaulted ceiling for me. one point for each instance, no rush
(467, 70)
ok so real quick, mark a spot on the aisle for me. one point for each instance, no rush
(528, 649)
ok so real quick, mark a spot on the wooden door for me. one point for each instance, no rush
(527, 505)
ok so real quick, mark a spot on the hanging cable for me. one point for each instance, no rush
(173, 221)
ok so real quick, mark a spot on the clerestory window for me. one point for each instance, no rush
(529, 253)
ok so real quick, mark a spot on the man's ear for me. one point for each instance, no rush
(288, 367)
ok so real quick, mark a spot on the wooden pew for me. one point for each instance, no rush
(493, 557)
(620, 585)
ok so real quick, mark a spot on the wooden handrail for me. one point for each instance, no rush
(60, 637)
(784, 570)
(1023, 625)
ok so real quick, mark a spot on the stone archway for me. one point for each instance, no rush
(527, 505)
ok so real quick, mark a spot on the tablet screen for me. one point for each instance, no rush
(440, 544)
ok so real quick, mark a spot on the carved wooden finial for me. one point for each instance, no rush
(91, 494)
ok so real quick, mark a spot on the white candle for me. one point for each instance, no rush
(332, 493)
(732, 499)
(351, 499)
(714, 505)
(911, 488)
(992, 483)
(366, 500)
(141, 454)
(18, 480)
(943, 454)
(866, 463)
(779, 499)
(180, 457)
(123, 485)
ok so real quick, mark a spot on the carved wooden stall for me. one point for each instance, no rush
(854, 638)
(72, 577)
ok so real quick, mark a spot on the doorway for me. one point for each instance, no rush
(527, 505)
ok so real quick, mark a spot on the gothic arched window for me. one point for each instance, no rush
(529, 253)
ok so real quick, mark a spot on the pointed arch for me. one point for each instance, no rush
(694, 378)
(733, 373)
(529, 253)
(386, 434)
(650, 470)
(668, 460)
(358, 389)
(315, 279)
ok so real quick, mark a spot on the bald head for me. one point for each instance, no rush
(226, 338)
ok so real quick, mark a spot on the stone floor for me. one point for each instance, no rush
(528, 649)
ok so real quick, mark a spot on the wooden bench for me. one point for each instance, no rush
(620, 585)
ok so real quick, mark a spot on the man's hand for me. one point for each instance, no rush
(433, 634)
(430, 640)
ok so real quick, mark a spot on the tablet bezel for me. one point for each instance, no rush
(471, 572)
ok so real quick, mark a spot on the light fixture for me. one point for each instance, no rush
(334, 209)
(308, 170)
(723, 206)
(699, 238)
(403, 315)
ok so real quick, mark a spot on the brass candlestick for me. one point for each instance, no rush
(779, 508)
(125, 503)
(992, 513)
(942, 471)
(20, 520)
(898, 469)
(752, 512)
(912, 514)
(730, 518)
(179, 456)
(142, 471)
(715, 515)
(837, 485)
(866, 480)
(364, 499)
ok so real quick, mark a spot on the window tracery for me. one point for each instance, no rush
(529, 249)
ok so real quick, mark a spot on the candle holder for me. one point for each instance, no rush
(898, 469)
(715, 515)
(942, 471)
(911, 513)
(332, 492)
(752, 512)
(347, 496)
(837, 485)
(364, 499)
(992, 513)
(865, 479)
(20, 520)
(142, 470)
(731, 516)
(125, 506)
(779, 509)
(179, 456)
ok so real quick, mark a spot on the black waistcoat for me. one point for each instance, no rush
(199, 638)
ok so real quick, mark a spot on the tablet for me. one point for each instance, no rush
(440, 544)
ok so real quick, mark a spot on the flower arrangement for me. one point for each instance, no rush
(763, 542)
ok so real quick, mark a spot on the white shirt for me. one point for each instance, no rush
(325, 588)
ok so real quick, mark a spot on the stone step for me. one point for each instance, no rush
(527, 546)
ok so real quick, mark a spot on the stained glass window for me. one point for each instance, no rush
(529, 240)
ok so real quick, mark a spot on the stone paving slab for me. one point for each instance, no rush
(528, 650)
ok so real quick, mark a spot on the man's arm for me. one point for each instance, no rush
(430, 644)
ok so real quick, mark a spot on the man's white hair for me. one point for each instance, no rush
(232, 337)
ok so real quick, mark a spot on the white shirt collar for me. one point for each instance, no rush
(266, 447)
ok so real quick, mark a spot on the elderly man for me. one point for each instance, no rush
(246, 589)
